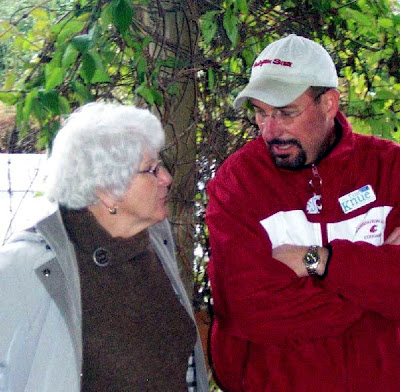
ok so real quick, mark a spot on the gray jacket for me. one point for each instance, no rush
(40, 308)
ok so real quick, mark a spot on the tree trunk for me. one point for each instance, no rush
(174, 24)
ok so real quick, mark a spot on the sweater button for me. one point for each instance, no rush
(101, 257)
(46, 272)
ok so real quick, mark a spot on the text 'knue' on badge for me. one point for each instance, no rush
(356, 199)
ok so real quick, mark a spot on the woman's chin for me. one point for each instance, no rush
(161, 215)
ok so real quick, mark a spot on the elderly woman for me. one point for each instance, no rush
(91, 296)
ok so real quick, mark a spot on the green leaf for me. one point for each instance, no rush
(323, 5)
(106, 17)
(211, 78)
(387, 94)
(158, 98)
(54, 77)
(10, 79)
(144, 91)
(359, 17)
(39, 13)
(82, 92)
(49, 129)
(374, 57)
(19, 113)
(49, 103)
(122, 15)
(169, 62)
(64, 106)
(242, 6)
(385, 22)
(54, 103)
(69, 57)
(377, 106)
(6, 30)
(88, 67)
(150, 94)
(41, 27)
(26, 111)
(141, 68)
(230, 23)
(94, 33)
(9, 98)
(173, 89)
(100, 74)
(288, 4)
(386, 130)
(208, 26)
(248, 56)
(81, 43)
(347, 72)
(147, 40)
(66, 31)
(234, 65)
(23, 44)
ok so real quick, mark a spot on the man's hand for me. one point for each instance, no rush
(292, 256)
(394, 237)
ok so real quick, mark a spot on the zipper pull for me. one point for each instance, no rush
(314, 204)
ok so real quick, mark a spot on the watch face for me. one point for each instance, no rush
(310, 259)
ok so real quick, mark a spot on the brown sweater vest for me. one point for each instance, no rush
(136, 334)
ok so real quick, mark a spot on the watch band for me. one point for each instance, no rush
(323, 276)
(311, 260)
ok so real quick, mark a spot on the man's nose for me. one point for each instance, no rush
(270, 128)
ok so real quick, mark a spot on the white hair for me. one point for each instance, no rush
(100, 147)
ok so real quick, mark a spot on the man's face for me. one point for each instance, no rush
(299, 133)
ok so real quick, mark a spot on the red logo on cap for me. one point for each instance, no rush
(274, 61)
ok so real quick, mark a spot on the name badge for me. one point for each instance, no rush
(357, 199)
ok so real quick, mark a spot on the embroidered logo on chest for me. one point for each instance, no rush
(371, 229)
(314, 205)
(357, 199)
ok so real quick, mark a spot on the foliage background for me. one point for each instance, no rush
(186, 60)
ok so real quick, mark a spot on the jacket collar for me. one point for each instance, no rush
(346, 143)
(60, 277)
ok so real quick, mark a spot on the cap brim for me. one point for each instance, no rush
(272, 92)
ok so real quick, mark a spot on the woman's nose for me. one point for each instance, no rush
(164, 177)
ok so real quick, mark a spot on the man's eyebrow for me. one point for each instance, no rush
(290, 106)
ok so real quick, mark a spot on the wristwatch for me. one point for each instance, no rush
(311, 260)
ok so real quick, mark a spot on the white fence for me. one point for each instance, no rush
(21, 182)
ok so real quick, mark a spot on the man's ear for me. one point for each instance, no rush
(330, 102)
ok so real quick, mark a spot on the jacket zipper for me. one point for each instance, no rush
(316, 185)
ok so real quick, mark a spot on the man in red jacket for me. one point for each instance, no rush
(305, 267)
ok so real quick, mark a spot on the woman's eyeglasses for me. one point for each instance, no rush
(155, 170)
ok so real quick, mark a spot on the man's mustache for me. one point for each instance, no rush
(280, 142)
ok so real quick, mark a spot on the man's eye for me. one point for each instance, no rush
(285, 113)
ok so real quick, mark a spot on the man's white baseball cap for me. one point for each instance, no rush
(285, 69)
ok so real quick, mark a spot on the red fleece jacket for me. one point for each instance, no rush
(276, 332)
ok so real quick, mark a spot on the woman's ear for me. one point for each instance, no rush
(106, 199)
(330, 102)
